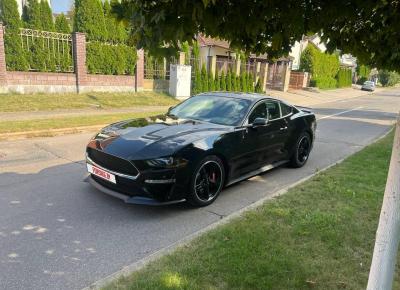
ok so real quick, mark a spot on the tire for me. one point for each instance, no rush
(301, 151)
(207, 181)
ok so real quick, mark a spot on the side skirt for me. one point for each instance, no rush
(257, 171)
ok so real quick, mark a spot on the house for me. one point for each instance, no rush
(300, 46)
(218, 56)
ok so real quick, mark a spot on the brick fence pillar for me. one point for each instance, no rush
(139, 76)
(3, 68)
(79, 46)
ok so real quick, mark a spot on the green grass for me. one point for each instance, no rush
(47, 102)
(58, 123)
(320, 235)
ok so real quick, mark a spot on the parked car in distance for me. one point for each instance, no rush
(368, 86)
(198, 147)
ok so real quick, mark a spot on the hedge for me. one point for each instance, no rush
(110, 59)
(322, 66)
(344, 78)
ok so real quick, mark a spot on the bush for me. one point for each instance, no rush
(388, 78)
(322, 66)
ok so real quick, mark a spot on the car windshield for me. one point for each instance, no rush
(369, 83)
(213, 109)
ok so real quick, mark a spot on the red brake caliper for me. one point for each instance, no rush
(213, 178)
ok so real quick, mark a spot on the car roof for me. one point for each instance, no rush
(254, 97)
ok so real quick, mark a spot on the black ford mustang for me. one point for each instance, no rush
(201, 145)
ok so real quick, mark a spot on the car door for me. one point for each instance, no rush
(271, 138)
(245, 139)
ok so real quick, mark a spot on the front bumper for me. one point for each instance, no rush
(151, 187)
(142, 200)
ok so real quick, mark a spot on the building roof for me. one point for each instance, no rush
(208, 41)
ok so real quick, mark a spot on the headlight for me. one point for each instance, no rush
(167, 162)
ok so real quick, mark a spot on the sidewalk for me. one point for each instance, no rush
(104, 116)
(310, 98)
(20, 116)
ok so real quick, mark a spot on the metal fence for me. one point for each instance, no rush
(225, 65)
(48, 51)
(157, 68)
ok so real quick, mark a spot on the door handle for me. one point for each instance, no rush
(283, 128)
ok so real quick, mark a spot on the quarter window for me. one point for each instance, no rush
(286, 110)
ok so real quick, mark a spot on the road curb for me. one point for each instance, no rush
(49, 133)
(127, 270)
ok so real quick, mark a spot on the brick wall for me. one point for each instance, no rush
(298, 80)
(3, 71)
(80, 81)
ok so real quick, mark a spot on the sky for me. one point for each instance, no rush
(60, 5)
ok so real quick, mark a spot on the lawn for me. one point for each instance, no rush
(319, 235)
(68, 122)
(47, 102)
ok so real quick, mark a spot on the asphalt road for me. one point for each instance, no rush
(57, 232)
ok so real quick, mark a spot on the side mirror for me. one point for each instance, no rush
(260, 122)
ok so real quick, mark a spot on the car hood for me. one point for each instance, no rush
(153, 137)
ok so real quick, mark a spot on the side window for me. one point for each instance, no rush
(286, 110)
(273, 109)
(260, 111)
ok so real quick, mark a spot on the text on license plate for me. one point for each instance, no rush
(101, 173)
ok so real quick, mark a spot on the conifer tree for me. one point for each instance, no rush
(211, 82)
(204, 79)
(243, 82)
(32, 15)
(62, 24)
(217, 81)
(15, 55)
(89, 18)
(46, 16)
(223, 81)
(229, 81)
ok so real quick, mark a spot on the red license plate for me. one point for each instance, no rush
(101, 173)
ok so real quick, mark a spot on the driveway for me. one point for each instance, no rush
(57, 232)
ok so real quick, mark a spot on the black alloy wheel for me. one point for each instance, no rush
(207, 181)
(302, 150)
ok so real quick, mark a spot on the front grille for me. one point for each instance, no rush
(111, 162)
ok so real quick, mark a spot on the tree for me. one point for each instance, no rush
(62, 24)
(204, 79)
(223, 82)
(46, 16)
(15, 56)
(243, 82)
(388, 78)
(116, 31)
(89, 18)
(32, 15)
(367, 29)
(217, 81)
(211, 83)
(229, 81)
